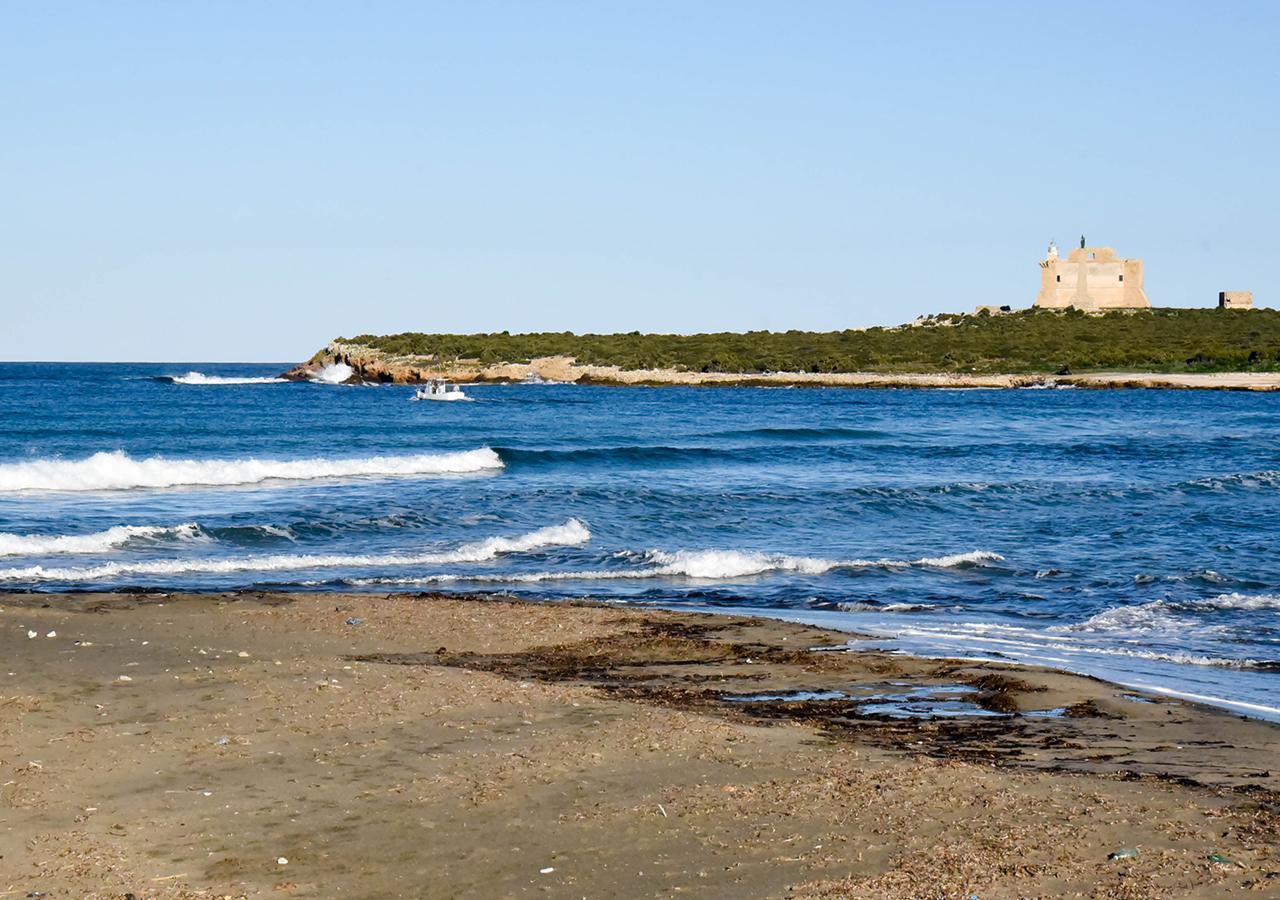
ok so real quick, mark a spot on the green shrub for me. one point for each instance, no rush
(1160, 340)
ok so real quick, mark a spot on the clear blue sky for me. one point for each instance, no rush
(243, 181)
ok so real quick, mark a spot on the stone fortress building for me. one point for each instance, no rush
(1235, 300)
(1096, 281)
(1092, 279)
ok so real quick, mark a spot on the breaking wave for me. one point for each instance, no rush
(960, 560)
(333, 373)
(1250, 481)
(201, 378)
(117, 470)
(858, 606)
(98, 542)
(702, 565)
(799, 434)
(1170, 615)
(569, 533)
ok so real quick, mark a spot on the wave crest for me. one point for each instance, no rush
(569, 533)
(702, 565)
(201, 378)
(715, 564)
(98, 542)
(117, 470)
(1169, 615)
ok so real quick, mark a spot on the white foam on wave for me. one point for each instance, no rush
(1169, 615)
(333, 373)
(97, 542)
(701, 565)
(717, 564)
(1267, 478)
(118, 471)
(956, 560)
(1241, 601)
(720, 564)
(569, 533)
(201, 378)
(1028, 645)
(885, 608)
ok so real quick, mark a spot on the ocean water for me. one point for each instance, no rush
(1127, 534)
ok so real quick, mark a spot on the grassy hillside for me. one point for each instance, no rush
(1160, 340)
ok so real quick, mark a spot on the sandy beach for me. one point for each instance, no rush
(254, 744)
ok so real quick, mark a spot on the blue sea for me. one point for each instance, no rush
(1126, 534)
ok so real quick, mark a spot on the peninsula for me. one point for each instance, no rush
(1162, 347)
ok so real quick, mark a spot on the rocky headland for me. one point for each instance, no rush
(371, 365)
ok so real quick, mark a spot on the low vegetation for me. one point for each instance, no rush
(1158, 340)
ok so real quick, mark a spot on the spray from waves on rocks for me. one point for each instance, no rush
(116, 471)
(333, 373)
(201, 378)
(569, 533)
(97, 542)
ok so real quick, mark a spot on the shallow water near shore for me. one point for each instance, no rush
(1127, 534)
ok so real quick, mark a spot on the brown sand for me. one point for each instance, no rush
(486, 748)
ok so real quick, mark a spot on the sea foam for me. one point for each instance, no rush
(1170, 615)
(701, 565)
(569, 533)
(333, 373)
(97, 542)
(118, 471)
(201, 378)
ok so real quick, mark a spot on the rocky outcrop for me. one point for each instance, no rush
(368, 365)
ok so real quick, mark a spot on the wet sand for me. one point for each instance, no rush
(276, 745)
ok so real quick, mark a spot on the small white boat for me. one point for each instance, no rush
(439, 390)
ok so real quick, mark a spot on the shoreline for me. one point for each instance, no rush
(372, 366)
(396, 744)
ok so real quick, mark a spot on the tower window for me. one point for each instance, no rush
(1059, 277)
(1122, 278)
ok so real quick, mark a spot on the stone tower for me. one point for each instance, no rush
(1092, 279)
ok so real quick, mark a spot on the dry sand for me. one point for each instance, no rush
(258, 745)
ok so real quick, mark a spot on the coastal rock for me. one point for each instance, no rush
(371, 366)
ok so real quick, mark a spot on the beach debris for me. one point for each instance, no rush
(282, 861)
(243, 654)
(52, 634)
(547, 871)
(1123, 853)
(124, 678)
(32, 634)
(222, 741)
(1219, 860)
(354, 621)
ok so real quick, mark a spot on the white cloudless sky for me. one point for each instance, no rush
(244, 181)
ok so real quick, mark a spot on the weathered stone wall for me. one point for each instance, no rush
(1235, 300)
(1109, 282)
